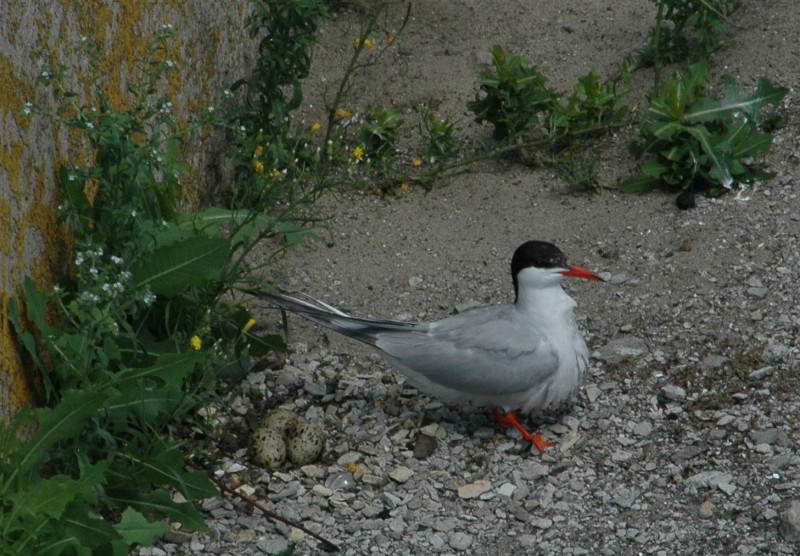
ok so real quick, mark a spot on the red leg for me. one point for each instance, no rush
(509, 419)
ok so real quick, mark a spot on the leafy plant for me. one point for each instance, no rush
(694, 27)
(593, 107)
(695, 141)
(130, 343)
(514, 94)
(441, 143)
(379, 132)
(580, 171)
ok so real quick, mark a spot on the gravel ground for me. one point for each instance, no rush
(683, 438)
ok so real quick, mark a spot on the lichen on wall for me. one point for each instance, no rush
(210, 50)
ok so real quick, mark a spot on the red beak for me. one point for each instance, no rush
(576, 271)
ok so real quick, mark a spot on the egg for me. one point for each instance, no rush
(280, 420)
(305, 442)
(267, 447)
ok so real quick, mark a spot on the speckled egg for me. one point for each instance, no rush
(280, 419)
(305, 442)
(267, 447)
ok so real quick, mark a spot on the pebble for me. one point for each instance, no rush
(459, 541)
(643, 428)
(473, 490)
(424, 446)
(619, 349)
(790, 521)
(506, 489)
(706, 509)
(401, 474)
(673, 392)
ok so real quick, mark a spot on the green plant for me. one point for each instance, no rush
(441, 143)
(695, 141)
(134, 338)
(694, 26)
(592, 107)
(378, 133)
(273, 162)
(580, 171)
(514, 94)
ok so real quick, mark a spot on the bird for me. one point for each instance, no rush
(525, 357)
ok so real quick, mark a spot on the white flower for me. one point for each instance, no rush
(106, 287)
(57, 289)
(71, 177)
(116, 260)
(242, 128)
(168, 27)
(26, 111)
(134, 213)
(99, 252)
(210, 108)
(94, 272)
(226, 92)
(170, 64)
(125, 275)
(148, 298)
(90, 125)
(79, 259)
(84, 38)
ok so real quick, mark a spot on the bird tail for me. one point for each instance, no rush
(363, 329)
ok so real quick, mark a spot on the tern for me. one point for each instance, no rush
(527, 356)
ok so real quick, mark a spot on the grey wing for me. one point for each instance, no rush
(484, 351)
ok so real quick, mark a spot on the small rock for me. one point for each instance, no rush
(706, 509)
(349, 457)
(619, 349)
(459, 541)
(592, 392)
(762, 373)
(673, 392)
(644, 428)
(506, 489)
(444, 525)
(764, 436)
(687, 453)
(532, 471)
(790, 521)
(320, 490)
(542, 523)
(313, 471)
(713, 361)
(401, 474)
(775, 353)
(473, 490)
(414, 281)
(424, 446)
(713, 479)
(757, 292)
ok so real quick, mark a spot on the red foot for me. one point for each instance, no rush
(509, 419)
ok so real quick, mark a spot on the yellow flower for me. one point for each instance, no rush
(278, 174)
(366, 43)
(343, 114)
(390, 39)
(258, 166)
(358, 153)
(315, 127)
(259, 151)
(416, 163)
(248, 325)
(405, 187)
(196, 343)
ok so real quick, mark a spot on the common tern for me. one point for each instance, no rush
(526, 356)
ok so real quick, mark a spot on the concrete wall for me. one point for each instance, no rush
(211, 49)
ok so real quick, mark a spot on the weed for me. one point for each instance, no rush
(378, 133)
(136, 336)
(514, 95)
(441, 143)
(580, 172)
(699, 143)
(693, 31)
